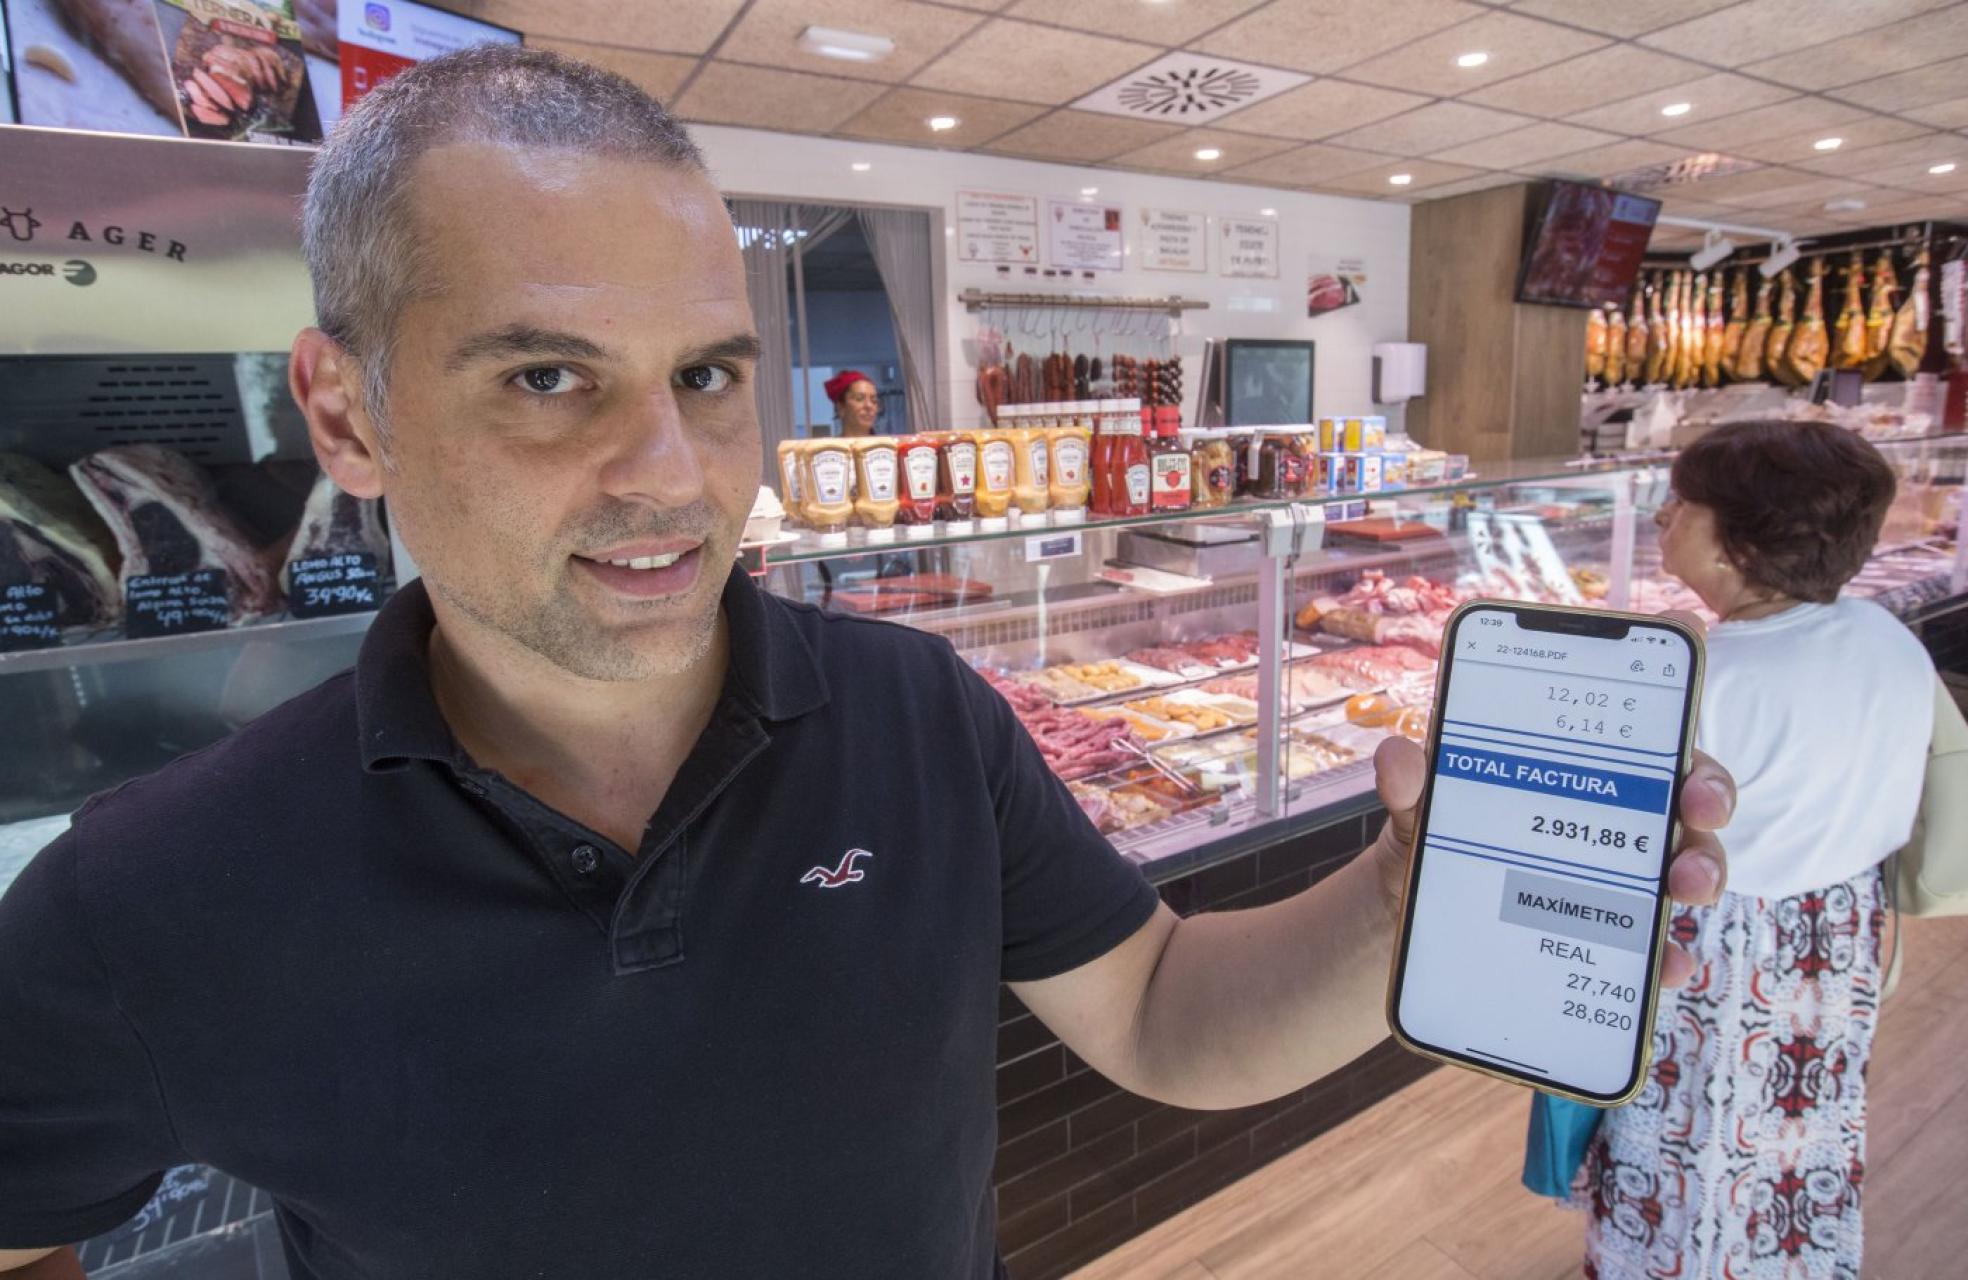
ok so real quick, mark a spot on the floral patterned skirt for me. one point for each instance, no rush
(1743, 1157)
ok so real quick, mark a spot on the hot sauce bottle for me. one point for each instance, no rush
(1168, 462)
(956, 487)
(920, 458)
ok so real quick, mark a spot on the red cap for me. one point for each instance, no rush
(837, 386)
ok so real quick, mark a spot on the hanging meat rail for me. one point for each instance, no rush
(979, 299)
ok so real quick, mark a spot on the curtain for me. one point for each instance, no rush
(899, 241)
(765, 239)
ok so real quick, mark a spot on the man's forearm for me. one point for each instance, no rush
(60, 1264)
(1247, 1005)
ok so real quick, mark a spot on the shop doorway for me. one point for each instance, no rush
(837, 287)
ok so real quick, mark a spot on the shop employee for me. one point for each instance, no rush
(610, 918)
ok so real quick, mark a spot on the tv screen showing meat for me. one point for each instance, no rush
(1585, 246)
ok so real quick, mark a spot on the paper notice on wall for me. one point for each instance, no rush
(1083, 237)
(996, 226)
(1332, 283)
(1171, 240)
(1248, 247)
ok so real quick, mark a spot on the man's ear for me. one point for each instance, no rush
(327, 385)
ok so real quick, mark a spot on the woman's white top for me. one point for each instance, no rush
(1823, 713)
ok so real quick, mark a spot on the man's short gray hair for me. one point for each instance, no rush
(361, 242)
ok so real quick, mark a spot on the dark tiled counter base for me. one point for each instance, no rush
(1083, 1166)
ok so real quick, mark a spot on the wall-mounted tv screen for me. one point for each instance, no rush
(1266, 383)
(1583, 245)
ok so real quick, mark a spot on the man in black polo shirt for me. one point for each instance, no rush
(611, 918)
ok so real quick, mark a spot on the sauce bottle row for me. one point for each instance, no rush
(1035, 473)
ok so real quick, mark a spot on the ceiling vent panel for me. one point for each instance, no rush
(1189, 89)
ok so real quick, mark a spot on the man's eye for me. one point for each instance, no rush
(549, 380)
(706, 377)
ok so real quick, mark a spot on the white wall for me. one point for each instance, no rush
(757, 163)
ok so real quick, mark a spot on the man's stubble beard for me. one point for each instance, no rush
(560, 631)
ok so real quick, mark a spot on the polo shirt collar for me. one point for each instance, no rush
(773, 673)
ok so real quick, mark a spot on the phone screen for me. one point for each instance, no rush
(1535, 902)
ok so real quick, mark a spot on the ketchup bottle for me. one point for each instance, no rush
(1130, 475)
(1101, 501)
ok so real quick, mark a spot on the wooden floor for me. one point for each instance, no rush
(1424, 1185)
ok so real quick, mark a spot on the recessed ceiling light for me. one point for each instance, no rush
(1401, 179)
(1845, 204)
(1267, 213)
(1940, 169)
(1208, 153)
(860, 166)
(1828, 144)
(1677, 108)
(1472, 59)
(846, 46)
(1089, 191)
(940, 123)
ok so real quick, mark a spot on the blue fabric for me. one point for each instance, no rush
(1555, 1147)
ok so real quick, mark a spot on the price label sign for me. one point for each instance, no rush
(27, 617)
(320, 586)
(169, 604)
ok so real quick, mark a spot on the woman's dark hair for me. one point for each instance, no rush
(1798, 505)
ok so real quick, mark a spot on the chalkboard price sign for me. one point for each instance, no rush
(322, 585)
(27, 617)
(169, 604)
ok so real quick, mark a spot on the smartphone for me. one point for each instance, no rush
(1536, 906)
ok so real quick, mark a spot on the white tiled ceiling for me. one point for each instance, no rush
(1568, 87)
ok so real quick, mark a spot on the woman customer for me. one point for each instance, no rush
(856, 403)
(1744, 1156)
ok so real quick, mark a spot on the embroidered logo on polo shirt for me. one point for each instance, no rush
(845, 873)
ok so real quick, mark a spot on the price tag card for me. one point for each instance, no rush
(169, 604)
(319, 586)
(27, 617)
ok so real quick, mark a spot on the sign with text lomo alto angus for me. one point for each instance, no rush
(129, 244)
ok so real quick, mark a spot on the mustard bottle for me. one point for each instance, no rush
(789, 480)
(997, 465)
(1031, 466)
(826, 474)
(875, 472)
(1069, 476)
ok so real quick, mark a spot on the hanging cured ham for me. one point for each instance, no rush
(1657, 329)
(1737, 325)
(1908, 341)
(1810, 344)
(1712, 334)
(1637, 334)
(1848, 343)
(1879, 315)
(1776, 355)
(1748, 364)
(1688, 363)
(1693, 321)
(1615, 346)
(1595, 345)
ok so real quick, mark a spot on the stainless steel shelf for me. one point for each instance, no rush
(111, 647)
